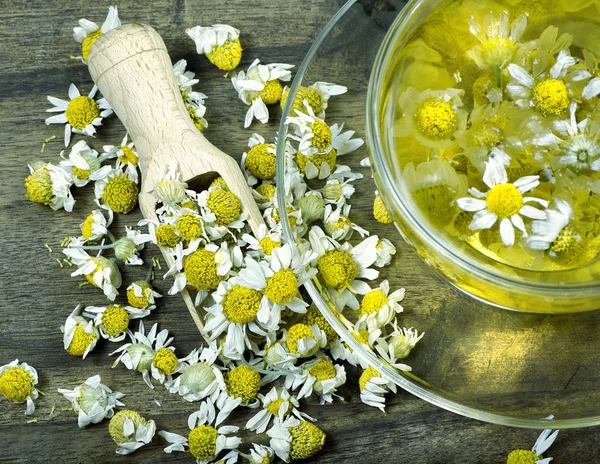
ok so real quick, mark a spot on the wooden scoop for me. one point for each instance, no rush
(133, 70)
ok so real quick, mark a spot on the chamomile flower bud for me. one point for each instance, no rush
(220, 43)
(294, 440)
(141, 295)
(304, 340)
(130, 431)
(95, 226)
(50, 185)
(81, 114)
(17, 384)
(92, 401)
(403, 341)
(80, 336)
(125, 249)
(88, 32)
(312, 207)
(169, 190)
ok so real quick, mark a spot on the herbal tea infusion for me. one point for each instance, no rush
(495, 120)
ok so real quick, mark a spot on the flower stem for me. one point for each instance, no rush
(499, 76)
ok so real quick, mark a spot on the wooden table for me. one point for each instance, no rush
(37, 295)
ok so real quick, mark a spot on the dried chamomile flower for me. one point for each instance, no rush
(206, 439)
(304, 340)
(84, 163)
(278, 404)
(312, 207)
(374, 387)
(17, 384)
(378, 307)
(384, 250)
(534, 456)
(112, 321)
(126, 248)
(95, 225)
(199, 376)
(339, 350)
(92, 401)
(80, 336)
(50, 185)
(397, 345)
(337, 223)
(318, 375)
(338, 188)
(380, 212)
(314, 317)
(293, 439)
(225, 206)
(88, 32)
(141, 295)
(316, 96)
(263, 244)
(259, 162)
(433, 116)
(504, 201)
(260, 86)
(220, 43)
(169, 190)
(130, 431)
(259, 454)
(194, 101)
(242, 384)
(81, 114)
(127, 157)
(117, 192)
(277, 356)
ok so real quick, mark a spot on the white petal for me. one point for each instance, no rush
(531, 212)
(471, 204)
(507, 232)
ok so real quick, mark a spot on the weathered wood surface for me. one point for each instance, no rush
(37, 295)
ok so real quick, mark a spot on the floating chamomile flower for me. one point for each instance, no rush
(80, 336)
(92, 401)
(498, 39)
(264, 243)
(141, 295)
(205, 441)
(317, 375)
(50, 185)
(260, 86)
(534, 456)
(127, 157)
(88, 32)
(81, 114)
(504, 201)
(95, 225)
(338, 225)
(260, 454)
(316, 96)
(117, 192)
(548, 92)
(432, 117)
(199, 376)
(84, 163)
(294, 439)
(374, 387)
(379, 307)
(277, 405)
(17, 384)
(220, 43)
(259, 162)
(112, 321)
(130, 431)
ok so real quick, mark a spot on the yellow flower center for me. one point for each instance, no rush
(436, 203)
(225, 205)
(268, 245)
(80, 342)
(266, 190)
(337, 269)
(16, 384)
(226, 57)
(551, 97)
(312, 96)
(241, 304)
(380, 213)
(497, 51)
(203, 442)
(260, 162)
(289, 210)
(282, 287)
(166, 236)
(120, 194)
(189, 226)
(372, 302)
(81, 173)
(115, 426)
(317, 159)
(299, 332)
(436, 119)
(271, 94)
(367, 375)
(522, 457)
(323, 370)
(200, 269)
(568, 247)
(314, 317)
(165, 361)
(485, 135)
(86, 227)
(128, 156)
(322, 135)
(139, 302)
(307, 440)
(274, 406)
(198, 122)
(81, 111)
(39, 186)
(504, 200)
(243, 382)
(87, 43)
(219, 182)
(115, 320)
(362, 336)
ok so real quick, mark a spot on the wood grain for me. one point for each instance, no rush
(37, 295)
